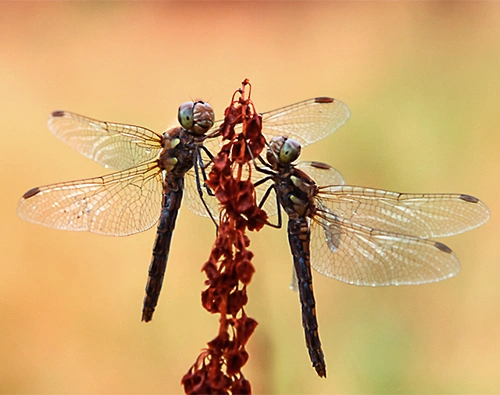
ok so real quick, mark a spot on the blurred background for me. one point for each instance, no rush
(422, 81)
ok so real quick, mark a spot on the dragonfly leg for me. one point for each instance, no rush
(264, 169)
(209, 154)
(199, 188)
(265, 197)
(204, 166)
(262, 181)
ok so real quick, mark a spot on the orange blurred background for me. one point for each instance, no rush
(422, 81)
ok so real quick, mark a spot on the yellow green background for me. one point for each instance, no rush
(422, 80)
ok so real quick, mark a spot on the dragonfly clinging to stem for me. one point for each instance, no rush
(152, 176)
(360, 235)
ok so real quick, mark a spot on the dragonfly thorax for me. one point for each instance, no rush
(177, 155)
(297, 191)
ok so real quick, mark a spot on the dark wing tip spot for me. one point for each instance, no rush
(31, 193)
(320, 165)
(58, 113)
(324, 100)
(442, 247)
(469, 198)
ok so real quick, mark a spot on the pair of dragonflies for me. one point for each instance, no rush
(357, 235)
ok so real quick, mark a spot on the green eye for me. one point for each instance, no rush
(289, 151)
(185, 115)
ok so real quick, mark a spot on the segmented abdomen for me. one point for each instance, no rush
(299, 237)
(170, 207)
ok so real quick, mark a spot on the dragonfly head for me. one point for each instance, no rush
(283, 151)
(196, 117)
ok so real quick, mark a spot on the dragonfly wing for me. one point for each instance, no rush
(117, 204)
(212, 145)
(193, 201)
(321, 173)
(307, 121)
(420, 215)
(113, 145)
(359, 255)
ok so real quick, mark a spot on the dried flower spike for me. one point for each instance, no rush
(229, 268)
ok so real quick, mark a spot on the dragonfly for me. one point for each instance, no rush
(359, 235)
(154, 171)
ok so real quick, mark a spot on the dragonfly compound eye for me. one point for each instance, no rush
(289, 151)
(185, 115)
(203, 118)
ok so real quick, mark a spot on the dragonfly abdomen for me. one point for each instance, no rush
(170, 207)
(299, 238)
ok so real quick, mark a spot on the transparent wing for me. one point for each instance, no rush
(359, 255)
(321, 173)
(117, 204)
(212, 144)
(113, 145)
(420, 215)
(307, 121)
(193, 201)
